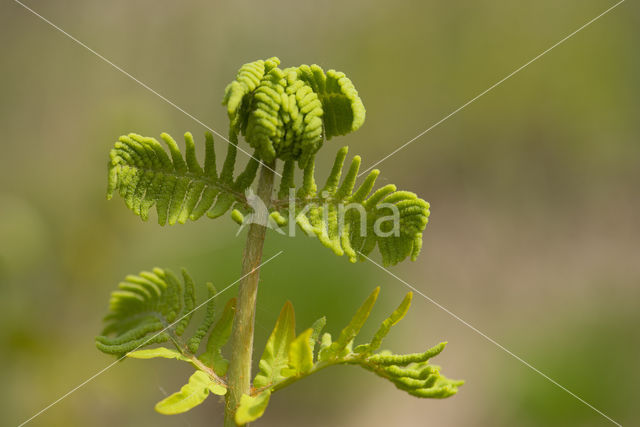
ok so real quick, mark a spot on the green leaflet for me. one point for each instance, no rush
(286, 113)
(156, 306)
(354, 222)
(342, 346)
(237, 94)
(205, 325)
(276, 352)
(147, 309)
(343, 109)
(386, 325)
(158, 352)
(190, 395)
(411, 373)
(218, 337)
(252, 407)
(180, 188)
(316, 328)
(300, 354)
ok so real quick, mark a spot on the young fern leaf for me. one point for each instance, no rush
(295, 359)
(276, 352)
(286, 113)
(155, 307)
(146, 309)
(179, 187)
(343, 109)
(252, 407)
(353, 221)
(163, 352)
(218, 337)
(190, 395)
(150, 308)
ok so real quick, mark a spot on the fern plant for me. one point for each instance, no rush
(285, 115)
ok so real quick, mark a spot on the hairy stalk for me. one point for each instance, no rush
(239, 373)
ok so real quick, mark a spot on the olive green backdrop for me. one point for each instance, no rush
(533, 239)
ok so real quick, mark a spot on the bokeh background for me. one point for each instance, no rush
(533, 239)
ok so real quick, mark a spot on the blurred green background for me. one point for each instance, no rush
(533, 239)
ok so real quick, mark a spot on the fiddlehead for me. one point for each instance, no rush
(286, 114)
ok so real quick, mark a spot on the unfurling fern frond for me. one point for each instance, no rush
(343, 110)
(288, 358)
(152, 307)
(179, 187)
(286, 113)
(155, 307)
(353, 221)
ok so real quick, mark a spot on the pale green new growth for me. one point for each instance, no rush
(283, 114)
(218, 337)
(156, 307)
(276, 352)
(152, 353)
(190, 395)
(252, 407)
(152, 307)
(286, 114)
(288, 358)
(353, 221)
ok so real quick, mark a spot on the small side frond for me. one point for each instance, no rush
(213, 357)
(350, 220)
(276, 352)
(155, 307)
(289, 358)
(179, 187)
(190, 395)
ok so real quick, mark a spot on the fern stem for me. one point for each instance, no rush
(239, 373)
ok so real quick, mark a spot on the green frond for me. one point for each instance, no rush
(286, 113)
(276, 352)
(343, 109)
(237, 93)
(149, 308)
(190, 395)
(142, 172)
(155, 307)
(341, 346)
(288, 358)
(353, 221)
(194, 342)
(218, 337)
